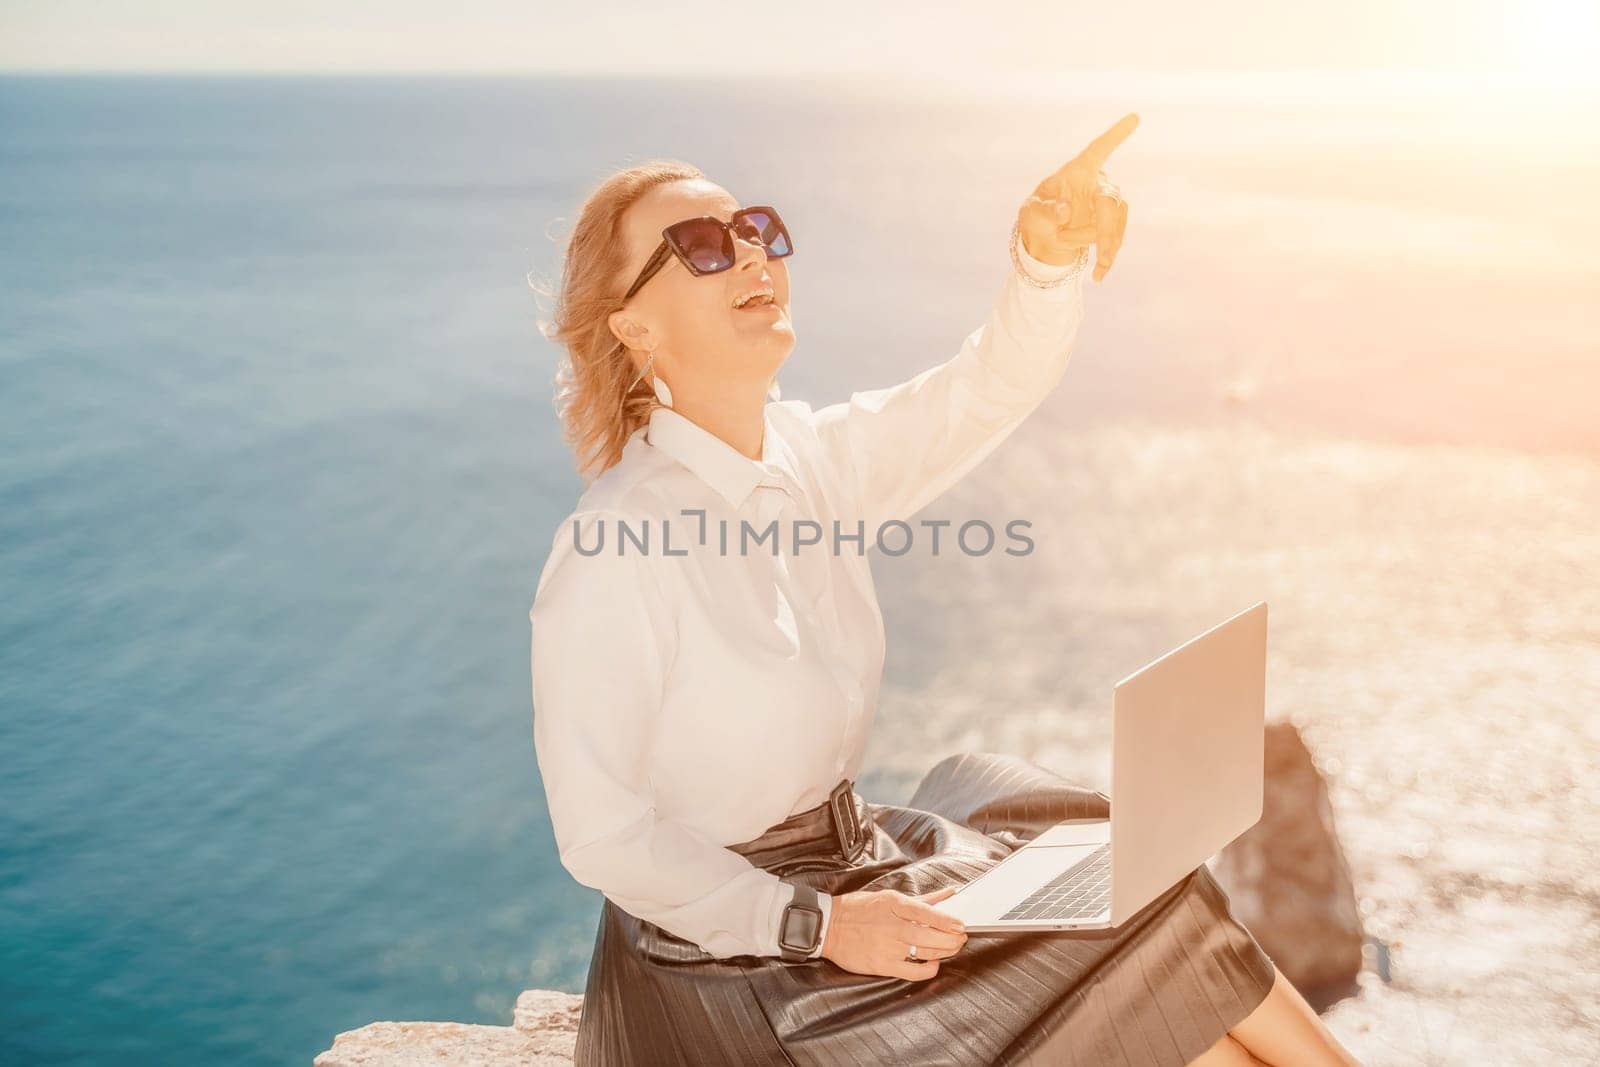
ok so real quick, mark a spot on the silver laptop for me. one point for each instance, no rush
(1186, 778)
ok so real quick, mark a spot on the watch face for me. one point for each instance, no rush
(801, 925)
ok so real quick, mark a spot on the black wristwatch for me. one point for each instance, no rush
(801, 929)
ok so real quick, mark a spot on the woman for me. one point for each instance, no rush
(702, 698)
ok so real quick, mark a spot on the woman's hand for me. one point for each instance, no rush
(1077, 206)
(871, 932)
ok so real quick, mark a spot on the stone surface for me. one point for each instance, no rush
(1288, 879)
(544, 1028)
(544, 1011)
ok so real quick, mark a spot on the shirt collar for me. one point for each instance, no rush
(721, 466)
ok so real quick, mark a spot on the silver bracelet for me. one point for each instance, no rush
(1016, 261)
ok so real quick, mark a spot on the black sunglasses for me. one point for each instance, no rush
(705, 244)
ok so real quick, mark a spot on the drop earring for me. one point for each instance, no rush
(663, 394)
(773, 392)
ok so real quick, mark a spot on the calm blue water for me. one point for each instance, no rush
(278, 468)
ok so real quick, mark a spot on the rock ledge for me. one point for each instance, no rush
(542, 1033)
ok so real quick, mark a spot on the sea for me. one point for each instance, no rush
(279, 467)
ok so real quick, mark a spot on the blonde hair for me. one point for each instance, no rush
(597, 409)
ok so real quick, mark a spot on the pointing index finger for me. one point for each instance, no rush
(1102, 147)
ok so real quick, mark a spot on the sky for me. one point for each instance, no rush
(925, 38)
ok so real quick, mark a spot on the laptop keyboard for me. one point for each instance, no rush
(1079, 892)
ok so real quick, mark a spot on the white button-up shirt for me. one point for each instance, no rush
(695, 683)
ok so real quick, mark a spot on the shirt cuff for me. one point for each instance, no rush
(1040, 270)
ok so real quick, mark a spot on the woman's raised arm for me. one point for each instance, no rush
(904, 445)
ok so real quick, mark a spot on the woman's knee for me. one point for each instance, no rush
(1225, 1053)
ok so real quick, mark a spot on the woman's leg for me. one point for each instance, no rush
(1225, 1053)
(1285, 1032)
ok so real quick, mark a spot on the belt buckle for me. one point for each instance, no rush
(846, 822)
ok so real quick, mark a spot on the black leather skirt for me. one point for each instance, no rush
(1158, 990)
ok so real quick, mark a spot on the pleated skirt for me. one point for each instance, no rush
(1155, 992)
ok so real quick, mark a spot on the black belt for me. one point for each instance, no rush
(847, 825)
(841, 824)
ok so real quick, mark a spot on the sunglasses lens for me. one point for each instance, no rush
(704, 244)
(765, 227)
